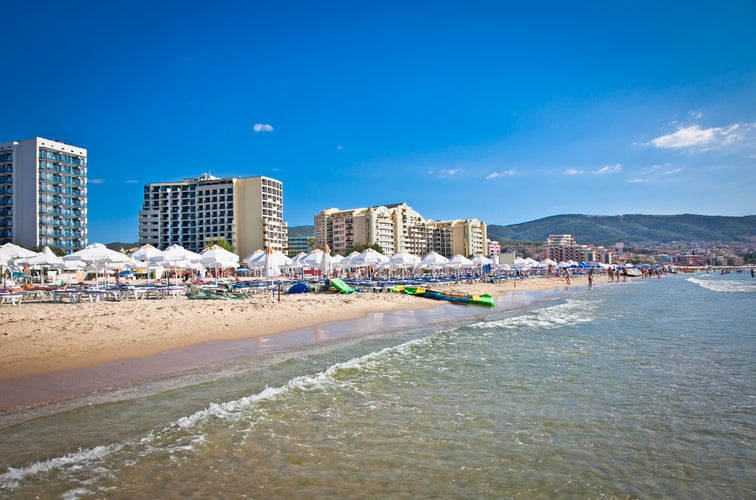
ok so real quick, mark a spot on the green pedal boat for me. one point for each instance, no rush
(482, 299)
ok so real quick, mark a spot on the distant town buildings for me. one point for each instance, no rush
(245, 211)
(43, 194)
(398, 228)
(563, 247)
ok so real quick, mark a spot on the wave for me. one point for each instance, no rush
(572, 312)
(186, 432)
(725, 286)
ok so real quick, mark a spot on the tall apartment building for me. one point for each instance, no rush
(398, 228)
(563, 247)
(245, 211)
(43, 194)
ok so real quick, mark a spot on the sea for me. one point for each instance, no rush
(638, 389)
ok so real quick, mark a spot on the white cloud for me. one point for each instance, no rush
(444, 172)
(637, 181)
(695, 136)
(262, 127)
(505, 173)
(132, 181)
(673, 171)
(609, 169)
(573, 171)
(339, 148)
(96, 181)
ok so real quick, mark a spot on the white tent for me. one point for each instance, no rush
(482, 260)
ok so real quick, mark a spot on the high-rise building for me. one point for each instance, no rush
(247, 212)
(398, 228)
(43, 194)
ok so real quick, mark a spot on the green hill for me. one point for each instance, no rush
(606, 230)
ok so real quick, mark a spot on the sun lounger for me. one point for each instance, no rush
(71, 295)
(11, 298)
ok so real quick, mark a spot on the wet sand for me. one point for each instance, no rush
(53, 351)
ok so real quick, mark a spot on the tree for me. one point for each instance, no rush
(221, 242)
(311, 243)
(361, 247)
(56, 250)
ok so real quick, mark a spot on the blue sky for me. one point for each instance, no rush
(487, 109)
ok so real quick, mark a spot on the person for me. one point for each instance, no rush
(567, 275)
(590, 278)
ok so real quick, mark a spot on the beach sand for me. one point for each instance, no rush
(42, 338)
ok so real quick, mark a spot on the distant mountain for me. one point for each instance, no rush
(302, 231)
(608, 229)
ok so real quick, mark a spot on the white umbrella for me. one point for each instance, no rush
(313, 259)
(460, 261)
(404, 260)
(271, 264)
(433, 260)
(99, 255)
(368, 257)
(482, 260)
(347, 261)
(10, 252)
(219, 258)
(145, 253)
(176, 256)
(252, 259)
(44, 258)
(325, 262)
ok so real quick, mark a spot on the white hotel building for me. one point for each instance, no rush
(245, 211)
(398, 228)
(43, 194)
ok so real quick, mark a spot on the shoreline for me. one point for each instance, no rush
(51, 352)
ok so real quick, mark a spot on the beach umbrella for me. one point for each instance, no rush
(325, 262)
(218, 258)
(145, 253)
(459, 261)
(177, 257)
(252, 259)
(368, 257)
(313, 259)
(11, 252)
(482, 260)
(404, 260)
(433, 260)
(271, 265)
(99, 255)
(45, 258)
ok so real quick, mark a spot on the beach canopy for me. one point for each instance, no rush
(11, 252)
(97, 253)
(368, 257)
(459, 262)
(404, 260)
(252, 259)
(313, 259)
(433, 260)
(219, 258)
(145, 253)
(176, 256)
(482, 260)
(44, 258)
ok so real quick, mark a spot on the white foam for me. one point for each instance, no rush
(726, 286)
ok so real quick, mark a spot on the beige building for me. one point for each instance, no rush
(563, 247)
(43, 194)
(398, 228)
(245, 211)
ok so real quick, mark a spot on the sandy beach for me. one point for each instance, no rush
(44, 337)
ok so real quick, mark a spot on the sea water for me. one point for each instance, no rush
(644, 388)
